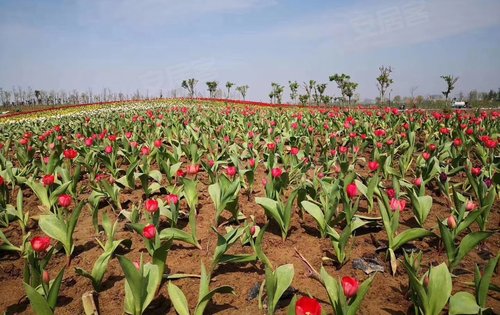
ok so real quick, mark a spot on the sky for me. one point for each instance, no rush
(152, 45)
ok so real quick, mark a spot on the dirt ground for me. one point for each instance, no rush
(388, 294)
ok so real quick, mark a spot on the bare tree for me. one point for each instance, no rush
(243, 90)
(189, 86)
(384, 81)
(450, 83)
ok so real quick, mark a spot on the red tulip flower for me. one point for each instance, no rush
(40, 243)
(158, 143)
(294, 151)
(193, 169)
(476, 171)
(452, 222)
(45, 277)
(2, 181)
(271, 146)
(149, 232)
(397, 205)
(352, 190)
(145, 151)
(276, 172)
(231, 171)
(70, 154)
(350, 286)
(108, 149)
(373, 166)
(426, 155)
(180, 173)
(65, 201)
(48, 180)
(251, 162)
(172, 198)
(307, 306)
(151, 205)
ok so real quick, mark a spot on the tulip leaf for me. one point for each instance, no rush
(360, 295)
(439, 289)
(410, 235)
(38, 304)
(55, 286)
(316, 213)
(484, 283)
(467, 244)
(463, 303)
(178, 299)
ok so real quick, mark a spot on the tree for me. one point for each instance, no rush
(303, 99)
(321, 90)
(345, 85)
(189, 86)
(384, 81)
(212, 88)
(243, 90)
(229, 85)
(277, 92)
(294, 86)
(309, 89)
(450, 82)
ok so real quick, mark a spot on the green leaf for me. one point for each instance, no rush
(439, 289)
(463, 303)
(284, 277)
(356, 302)
(38, 303)
(135, 282)
(54, 290)
(484, 283)
(468, 243)
(54, 227)
(316, 213)
(271, 207)
(178, 299)
(410, 235)
(178, 235)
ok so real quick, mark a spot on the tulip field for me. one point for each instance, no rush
(198, 206)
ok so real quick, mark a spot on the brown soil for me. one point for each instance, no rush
(388, 294)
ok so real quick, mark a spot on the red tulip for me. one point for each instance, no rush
(457, 142)
(350, 286)
(45, 277)
(40, 243)
(145, 150)
(470, 206)
(2, 181)
(352, 190)
(343, 150)
(172, 198)
(391, 193)
(276, 172)
(426, 155)
(418, 181)
(251, 162)
(65, 201)
(48, 180)
(476, 171)
(158, 143)
(307, 306)
(373, 166)
(397, 205)
(149, 232)
(108, 149)
(379, 133)
(271, 146)
(294, 151)
(128, 134)
(89, 142)
(151, 205)
(70, 154)
(231, 171)
(180, 173)
(192, 169)
(452, 223)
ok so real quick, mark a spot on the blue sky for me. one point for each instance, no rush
(150, 45)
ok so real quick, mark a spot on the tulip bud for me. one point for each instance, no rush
(426, 281)
(46, 277)
(452, 223)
